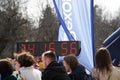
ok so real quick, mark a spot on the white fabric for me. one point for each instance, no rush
(29, 73)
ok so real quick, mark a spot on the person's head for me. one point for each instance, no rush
(48, 57)
(6, 68)
(25, 60)
(70, 62)
(103, 59)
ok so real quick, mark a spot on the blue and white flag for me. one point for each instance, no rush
(76, 19)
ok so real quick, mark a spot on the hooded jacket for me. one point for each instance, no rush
(55, 71)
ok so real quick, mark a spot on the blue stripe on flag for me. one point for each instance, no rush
(70, 37)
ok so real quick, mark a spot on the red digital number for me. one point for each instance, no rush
(23, 47)
(52, 46)
(64, 48)
(73, 50)
(45, 47)
(31, 48)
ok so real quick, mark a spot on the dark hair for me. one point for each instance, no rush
(50, 54)
(25, 59)
(103, 60)
(6, 68)
(72, 61)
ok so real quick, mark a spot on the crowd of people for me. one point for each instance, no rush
(22, 67)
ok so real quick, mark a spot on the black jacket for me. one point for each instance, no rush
(78, 73)
(55, 71)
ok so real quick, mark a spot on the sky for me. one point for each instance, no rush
(109, 6)
(35, 7)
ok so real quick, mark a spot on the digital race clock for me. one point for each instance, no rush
(61, 48)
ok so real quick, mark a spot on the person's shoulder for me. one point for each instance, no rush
(79, 68)
(37, 71)
(115, 73)
(116, 69)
